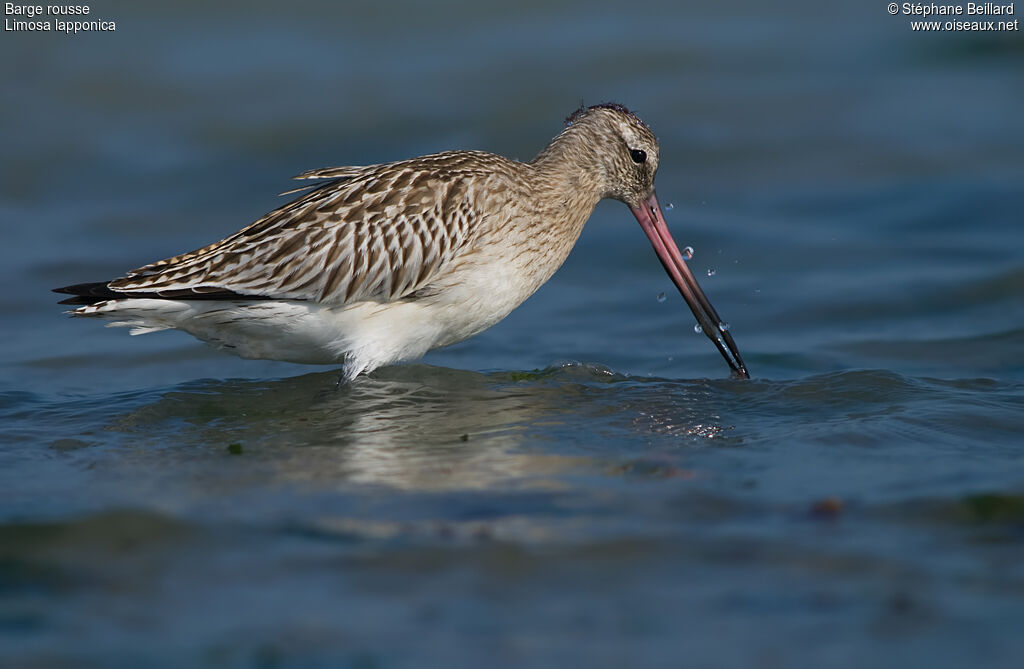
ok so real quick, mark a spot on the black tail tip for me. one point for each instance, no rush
(86, 293)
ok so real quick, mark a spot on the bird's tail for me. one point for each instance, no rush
(88, 293)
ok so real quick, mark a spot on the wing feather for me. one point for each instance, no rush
(369, 233)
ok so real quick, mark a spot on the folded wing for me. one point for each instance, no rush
(370, 233)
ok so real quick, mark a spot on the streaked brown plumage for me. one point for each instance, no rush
(381, 263)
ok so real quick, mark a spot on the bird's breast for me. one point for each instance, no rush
(494, 277)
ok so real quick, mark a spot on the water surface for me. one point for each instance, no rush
(581, 484)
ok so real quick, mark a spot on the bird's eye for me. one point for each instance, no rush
(638, 155)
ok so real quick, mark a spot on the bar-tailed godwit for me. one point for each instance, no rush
(379, 264)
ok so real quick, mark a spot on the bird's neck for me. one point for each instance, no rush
(569, 171)
(561, 193)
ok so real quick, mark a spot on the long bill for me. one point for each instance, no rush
(653, 222)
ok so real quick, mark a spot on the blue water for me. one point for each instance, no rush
(581, 485)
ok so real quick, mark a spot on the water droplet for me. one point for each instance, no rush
(670, 206)
(697, 328)
(723, 326)
(661, 297)
(712, 271)
(688, 253)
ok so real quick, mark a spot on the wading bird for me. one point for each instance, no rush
(382, 263)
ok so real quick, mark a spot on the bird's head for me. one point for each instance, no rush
(624, 149)
(619, 153)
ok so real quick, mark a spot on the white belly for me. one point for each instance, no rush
(484, 288)
(360, 336)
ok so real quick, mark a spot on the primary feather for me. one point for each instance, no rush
(376, 233)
